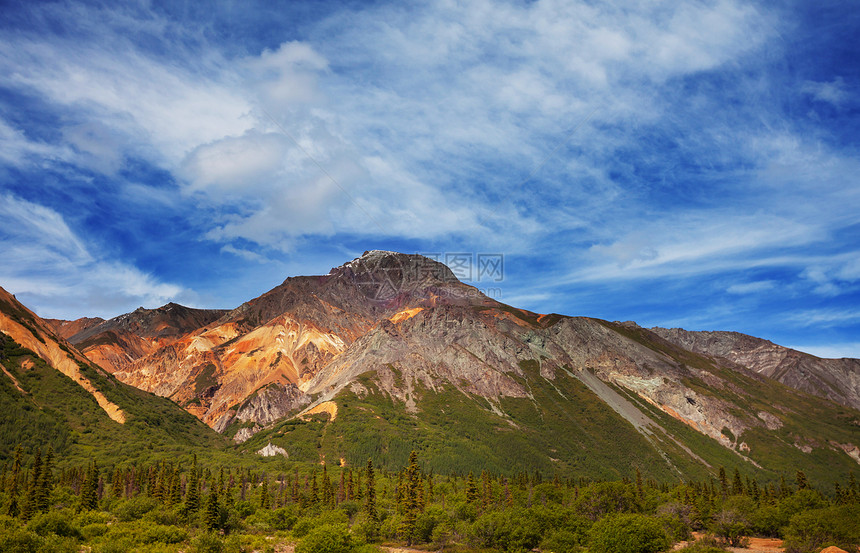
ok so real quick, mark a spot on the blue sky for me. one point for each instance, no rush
(677, 164)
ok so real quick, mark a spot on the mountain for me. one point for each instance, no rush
(118, 342)
(390, 352)
(835, 379)
(52, 394)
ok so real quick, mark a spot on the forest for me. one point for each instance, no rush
(186, 505)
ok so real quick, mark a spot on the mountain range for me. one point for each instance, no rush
(391, 352)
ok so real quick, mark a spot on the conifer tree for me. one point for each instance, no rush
(370, 494)
(192, 493)
(116, 483)
(264, 496)
(174, 495)
(315, 497)
(31, 504)
(350, 486)
(46, 486)
(89, 489)
(410, 498)
(737, 484)
(294, 493)
(724, 482)
(212, 515)
(802, 484)
(471, 488)
(13, 509)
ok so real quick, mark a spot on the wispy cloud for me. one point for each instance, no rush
(58, 275)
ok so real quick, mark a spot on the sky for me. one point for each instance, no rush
(678, 164)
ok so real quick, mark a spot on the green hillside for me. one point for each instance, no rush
(51, 409)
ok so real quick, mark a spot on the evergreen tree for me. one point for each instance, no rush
(13, 510)
(471, 488)
(370, 494)
(174, 495)
(802, 484)
(294, 493)
(192, 493)
(724, 482)
(737, 484)
(89, 489)
(117, 483)
(410, 498)
(31, 504)
(350, 487)
(46, 486)
(264, 496)
(212, 515)
(315, 497)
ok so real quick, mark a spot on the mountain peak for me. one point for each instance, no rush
(383, 274)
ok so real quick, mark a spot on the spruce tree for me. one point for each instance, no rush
(370, 493)
(117, 483)
(192, 493)
(174, 495)
(46, 486)
(737, 484)
(315, 496)
(724, 482)
(31, 504)
(13, 509)
(410, 498)
(471, 488)
(802, 484)
(89, 489)
(264, 495)
(212, 516)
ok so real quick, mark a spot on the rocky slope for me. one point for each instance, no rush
(835, 379)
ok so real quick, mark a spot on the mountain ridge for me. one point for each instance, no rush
(396, 346)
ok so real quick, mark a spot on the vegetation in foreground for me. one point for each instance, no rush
(182, 505)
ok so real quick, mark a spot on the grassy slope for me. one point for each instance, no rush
(565, 429)
(58, 412)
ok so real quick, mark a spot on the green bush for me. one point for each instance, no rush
(628, 533)
(54, 522)
(134, 509)
(811, 531)
(207, 543)
(94, 530)
(329, 538)
(163, 534)
(18, 540)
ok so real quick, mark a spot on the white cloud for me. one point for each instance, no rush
(824, 318)
(58, 275)
(751, 287)
(833, 92)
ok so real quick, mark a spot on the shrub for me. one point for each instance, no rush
(163, 534)
(329, 538)
(811, 531)
(135, 508)
(628, 533)
(54, 522)
(94, 530)
(207, 543)
(18, 540)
